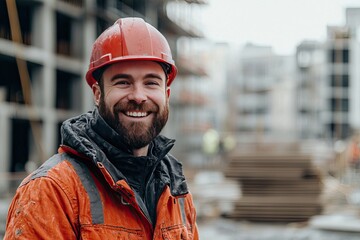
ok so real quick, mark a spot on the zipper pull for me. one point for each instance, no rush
(123, 202)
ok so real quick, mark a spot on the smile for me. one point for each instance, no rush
(136, 114)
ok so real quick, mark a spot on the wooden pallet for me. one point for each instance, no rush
(278, 187)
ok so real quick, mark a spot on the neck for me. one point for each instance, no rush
(141, 151)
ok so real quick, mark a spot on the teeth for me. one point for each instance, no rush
(136, 114)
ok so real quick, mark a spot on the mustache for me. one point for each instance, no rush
(131, 106)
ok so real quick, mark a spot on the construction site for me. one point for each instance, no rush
(280, 191)
(269, 144)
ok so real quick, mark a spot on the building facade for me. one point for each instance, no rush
(329, 82)
(262, 89)
(310, 90)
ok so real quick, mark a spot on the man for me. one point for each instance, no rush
(113, 177)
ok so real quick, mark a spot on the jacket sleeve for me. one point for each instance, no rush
(196, 232)
(191, 215)
(40, 209)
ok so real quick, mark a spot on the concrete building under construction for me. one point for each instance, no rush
(44, 51)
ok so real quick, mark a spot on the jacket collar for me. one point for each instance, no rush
(89, 135)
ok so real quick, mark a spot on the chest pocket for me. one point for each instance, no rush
(102, 232)
(179, 231)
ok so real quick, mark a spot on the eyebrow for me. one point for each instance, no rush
(154, 75)
(127, 76)
(120, 75)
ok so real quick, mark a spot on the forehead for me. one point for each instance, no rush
(137, 66)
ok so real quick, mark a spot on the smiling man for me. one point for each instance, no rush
(113, 176)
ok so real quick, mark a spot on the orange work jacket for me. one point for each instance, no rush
(66, 199)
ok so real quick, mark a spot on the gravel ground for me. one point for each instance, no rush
(225, 229)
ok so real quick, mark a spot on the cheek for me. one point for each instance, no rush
(157, 97)
(162, 100)
(167, 101)
(112, 97)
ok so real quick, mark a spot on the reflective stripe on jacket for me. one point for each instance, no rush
(66, 199)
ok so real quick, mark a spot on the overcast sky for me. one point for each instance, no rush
(278, 23)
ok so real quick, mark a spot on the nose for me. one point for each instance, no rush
(137, 95)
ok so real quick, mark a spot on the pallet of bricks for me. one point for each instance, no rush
(275, 187)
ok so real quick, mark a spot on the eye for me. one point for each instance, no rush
(153, 83)
(120, 79)
(121, 82)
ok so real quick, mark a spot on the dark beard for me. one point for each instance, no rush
(135, 135)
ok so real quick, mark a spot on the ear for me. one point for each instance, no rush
(168, 92)
(97, 93)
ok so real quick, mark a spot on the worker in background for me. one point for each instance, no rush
(113, 176)
(354, 151)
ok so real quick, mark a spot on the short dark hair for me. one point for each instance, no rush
(97, 74)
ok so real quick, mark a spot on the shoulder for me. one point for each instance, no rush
(45, 196)
(50, 193)
(61, 177)
(63, 173)
(56, 178)
(55, 168)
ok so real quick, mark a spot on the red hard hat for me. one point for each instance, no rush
(130, 39)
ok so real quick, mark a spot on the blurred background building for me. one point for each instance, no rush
(321, 84)
(262, 90)
(310, 85)
(328, 82)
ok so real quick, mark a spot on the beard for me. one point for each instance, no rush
(135, 134)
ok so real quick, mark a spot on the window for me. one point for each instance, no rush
(339, 55)
(68, 95)
(337, 104)
(339, 80)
